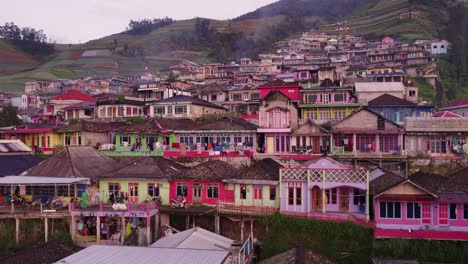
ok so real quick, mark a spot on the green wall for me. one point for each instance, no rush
(142, 188)
(250, 201)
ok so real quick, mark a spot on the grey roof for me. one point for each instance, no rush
(80, 162)
(379, 87)
(144, 255)
(147, 168)
(13, 146)
(194, 238)
(182, 99)
(16, 164)
(436, 124)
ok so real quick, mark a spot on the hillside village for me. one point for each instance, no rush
(327, 127)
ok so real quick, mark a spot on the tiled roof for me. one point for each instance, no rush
(435, 124)
(215, 170)
(91, 126)
(149, 126)
(390, 100)
(227, 123)
(265, 169)
(80, 105)
(74, 95)
(176, 124)
(458, 102)
(384, 181)
(150, 167)
(446, 114)
(181, 99)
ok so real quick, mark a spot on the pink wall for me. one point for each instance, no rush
(204, 198)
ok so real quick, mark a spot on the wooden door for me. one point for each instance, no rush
(197, 192)
(270, 145)
(316, 198)
(344, 199)
(316, 144)
(133, 192)
(443, 214)
(426, 214)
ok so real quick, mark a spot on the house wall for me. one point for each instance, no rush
(112, 111)
(277, 102)
(46, 141)
(398, 114)
(142, 188)
(250, 201)
(365, 97)
(463, 111)
(144, 141)
(87, 138)
(295, 208)
(363, 121)
(404, 222)
(204, 194)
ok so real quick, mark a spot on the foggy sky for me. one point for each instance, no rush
(78, 21)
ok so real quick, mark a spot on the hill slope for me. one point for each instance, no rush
(13, 60)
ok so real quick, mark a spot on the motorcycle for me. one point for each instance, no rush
(178, 203)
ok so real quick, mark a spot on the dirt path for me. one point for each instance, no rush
(40, 254)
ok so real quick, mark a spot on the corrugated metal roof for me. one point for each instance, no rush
(195, 238)
(143, 255)
(7, 180)
(436, 124)
(13, 146)
(379, 86)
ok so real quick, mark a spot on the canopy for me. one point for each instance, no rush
(36, 180)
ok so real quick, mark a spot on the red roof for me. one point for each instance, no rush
(445, 114)
(74, 95)
(458, 102)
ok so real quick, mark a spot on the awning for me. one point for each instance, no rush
(35, 180)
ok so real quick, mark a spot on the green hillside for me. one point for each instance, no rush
(12, 60)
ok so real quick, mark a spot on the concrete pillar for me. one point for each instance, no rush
(122, 238)
(46, 229)
(187, 221)
(72, 227)
(17, 223)
(354, 144)
(323, 192)
(367, 197)
(156, 227)
(98, 229)
(193, 221)
(251, 228)
(217, 224)
(148, 230)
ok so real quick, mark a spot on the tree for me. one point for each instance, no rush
(8, 116)
(459, 56)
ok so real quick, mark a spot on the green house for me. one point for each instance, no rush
(138, 181)
(258, 186)
(147, 137)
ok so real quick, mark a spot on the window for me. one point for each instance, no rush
(291, 196)
(213, 191)
(128, 111)
(388, 143)
(102, 112)
(214, 98)
(340, 113)
(339, 97)
(169, 109)
(359, 197)
(182, 189)
(311, 98)
(153, 190)
(48, 141)
(311, 114)
(114, 189)
(325, 98)
(325, 115)
(299, 196)
(123, 139)
(465, 211)
(246, 96)
(243, 192)
(120, 111)
(254, 96)
(453, 211)
(332, 199)
(380, 123)
(272, 193)
(413, 210)
(159, 110)
(258, 192)
(67, 140)
(390, 210)
(135, 111)
(180, 109)
(412, 93)
(236, 97)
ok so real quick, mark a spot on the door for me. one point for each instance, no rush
(316, 144)
(197, 190)
(316, 198)
(270, 145)
(133, 192)
(344, 199)
(426, 213)
(443, 214)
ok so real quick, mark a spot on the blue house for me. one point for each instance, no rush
(397, 109)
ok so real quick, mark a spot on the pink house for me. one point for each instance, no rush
(203, 184)
(325, 189)
(424, 206)
(291, 91)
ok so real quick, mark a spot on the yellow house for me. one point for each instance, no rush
(36, 136)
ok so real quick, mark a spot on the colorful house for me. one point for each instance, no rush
(328, 102)
(54, 109)
(424, 206)
(36, 136)
(119, 108)
(181, 106)
(310, 137)
(325, 189)
(365, 133)
(88, 133)
(397, 109)
(143, 180)
(436, 136)
(278, 116)
(203, 183)
(255, 189)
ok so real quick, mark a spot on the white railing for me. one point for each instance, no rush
(244, 256)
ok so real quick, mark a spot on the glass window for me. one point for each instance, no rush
(258, 192)
(159, 110)
(339, 97)
(243, 192)
(453, 211)
(272, 193)
(182, 189)
(333, 198)
(291, 196)
(153, 190)
(299, 196)
(213, 191)
(465, 211)
(114, 189)
(254, 96)
(413, 210)
(180, 109)
(390, 210)
(123, 139)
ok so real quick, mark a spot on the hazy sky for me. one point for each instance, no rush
(75, 21)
